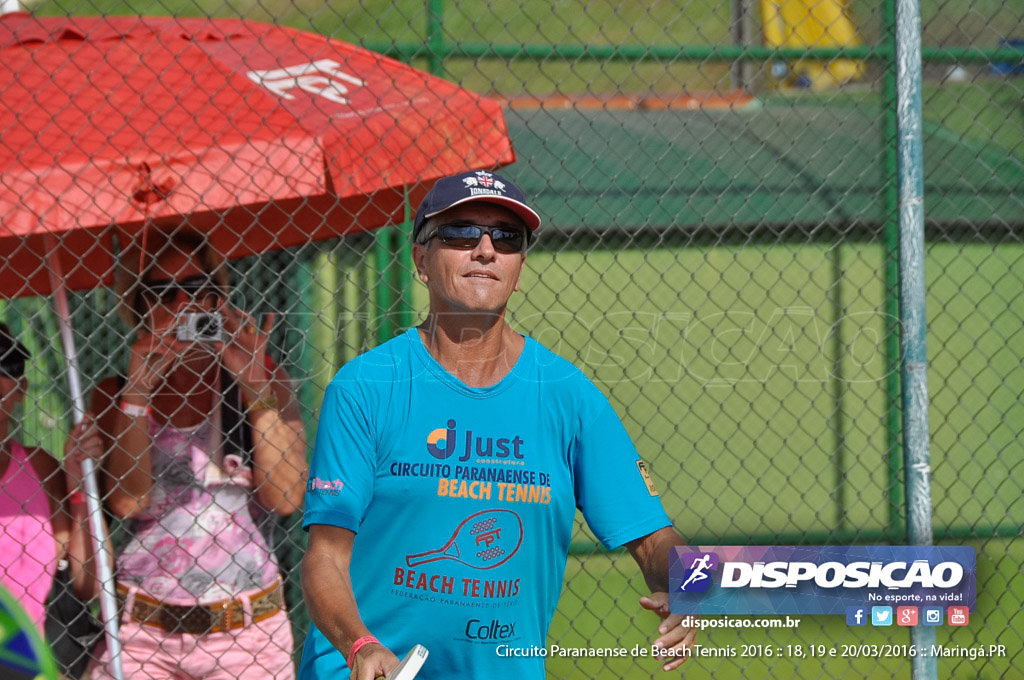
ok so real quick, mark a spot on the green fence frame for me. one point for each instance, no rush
(394, 262)
(391, 272)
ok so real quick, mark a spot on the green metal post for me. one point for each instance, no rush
(891, 267)
(436, 50)
(685, 53)
(355, 321)
(405, 267)
(311, 278)
(913, 319)
(435, 37)
(837, 420)
(400, 266)
(381, 265)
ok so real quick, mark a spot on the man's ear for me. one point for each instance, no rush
(419, 254)
(519, 277)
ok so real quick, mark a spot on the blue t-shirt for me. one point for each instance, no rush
(463, 499)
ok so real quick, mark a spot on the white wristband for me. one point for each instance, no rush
(135, 410)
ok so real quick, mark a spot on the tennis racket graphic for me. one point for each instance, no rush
(483, 540)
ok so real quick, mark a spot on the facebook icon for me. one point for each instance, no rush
(856, 616)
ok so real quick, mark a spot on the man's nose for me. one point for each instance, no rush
(484, 249)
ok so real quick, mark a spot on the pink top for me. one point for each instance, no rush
(197, 541)
(28, 549)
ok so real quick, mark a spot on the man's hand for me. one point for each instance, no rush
(673, 637)
(372, 661)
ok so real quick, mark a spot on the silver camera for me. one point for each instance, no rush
(206, 327)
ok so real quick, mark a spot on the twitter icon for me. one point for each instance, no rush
(881, 616)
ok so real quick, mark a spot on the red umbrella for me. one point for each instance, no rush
(266, 136)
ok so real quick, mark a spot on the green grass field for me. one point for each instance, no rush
(722, 362)
(732, 403)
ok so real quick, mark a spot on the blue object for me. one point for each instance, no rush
(1007, 68)
(477, 185)
(806, 579)
(932, 616)
(463, 501)
(23, 653)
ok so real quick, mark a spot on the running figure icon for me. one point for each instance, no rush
(698, 571)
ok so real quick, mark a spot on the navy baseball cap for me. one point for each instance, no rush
(476, 185)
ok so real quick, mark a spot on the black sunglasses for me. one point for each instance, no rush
(466, 236)
(200, 288)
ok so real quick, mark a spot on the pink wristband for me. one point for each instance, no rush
(76, 497)
(359, 644)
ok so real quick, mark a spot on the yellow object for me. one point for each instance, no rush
(270, 402)
(812, 23)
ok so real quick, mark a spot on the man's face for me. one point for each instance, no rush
(473, 280)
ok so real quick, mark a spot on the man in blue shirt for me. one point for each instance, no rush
(448, 467)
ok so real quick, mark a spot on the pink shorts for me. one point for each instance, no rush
(259, 651)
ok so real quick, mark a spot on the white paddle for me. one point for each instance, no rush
(410, 666)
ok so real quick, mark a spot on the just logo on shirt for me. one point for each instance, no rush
(441, 444)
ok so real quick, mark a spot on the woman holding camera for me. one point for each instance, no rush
(204, 440)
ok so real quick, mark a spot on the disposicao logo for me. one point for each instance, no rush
(819, 579)
(835, 575)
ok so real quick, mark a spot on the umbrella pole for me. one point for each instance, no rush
(104, 561)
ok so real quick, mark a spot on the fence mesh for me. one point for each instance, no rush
(717, 181)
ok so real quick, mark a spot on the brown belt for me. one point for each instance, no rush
(200, 619)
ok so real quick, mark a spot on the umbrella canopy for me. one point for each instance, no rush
(264, 136)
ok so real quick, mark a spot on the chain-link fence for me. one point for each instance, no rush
(719, 254)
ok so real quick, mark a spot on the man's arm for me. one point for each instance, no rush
(327, 589)
(651, 554)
